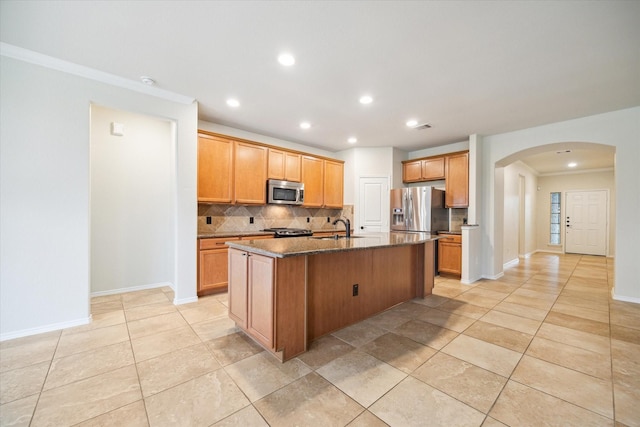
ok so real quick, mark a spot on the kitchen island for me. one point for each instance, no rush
(285, 293)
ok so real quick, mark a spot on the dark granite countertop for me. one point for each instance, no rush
(222, 234)
(281, 248)
(450, 232)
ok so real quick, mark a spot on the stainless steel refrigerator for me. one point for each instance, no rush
(418, 209)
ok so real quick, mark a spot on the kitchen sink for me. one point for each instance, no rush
(336, 237)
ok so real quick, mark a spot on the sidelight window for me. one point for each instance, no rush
(554, 232)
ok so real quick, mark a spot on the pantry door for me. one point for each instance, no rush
(586, 219)
(374, 204)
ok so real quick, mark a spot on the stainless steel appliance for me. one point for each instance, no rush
(289, 232)
(285, 192)
(418, 209)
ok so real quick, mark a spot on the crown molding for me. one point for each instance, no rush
(36, 58)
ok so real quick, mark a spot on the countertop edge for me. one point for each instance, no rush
(250, 247)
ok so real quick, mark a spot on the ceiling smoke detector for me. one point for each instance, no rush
(147, 80)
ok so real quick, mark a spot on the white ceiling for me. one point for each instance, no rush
(465, 67)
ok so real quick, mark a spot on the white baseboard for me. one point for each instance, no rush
(496, 277)
(132, 289)
(46, 328)
(549, 251)
(624, 298)
(511, 263)
(181, 301)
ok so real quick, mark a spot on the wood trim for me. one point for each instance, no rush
(215, 242)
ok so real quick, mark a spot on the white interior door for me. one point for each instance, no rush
(586, 220)
(373, 215)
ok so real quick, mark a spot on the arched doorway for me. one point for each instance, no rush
(501, 199)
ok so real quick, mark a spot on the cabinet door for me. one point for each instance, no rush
(313, 179)
(433, 169)
(412, 171)
(292, 167)
(213, 271)
(333, 184)
(449, 257)
(457, 181)
(215, 169)
(238, 273)
(276, 164)
(250, 173)
(260, 285)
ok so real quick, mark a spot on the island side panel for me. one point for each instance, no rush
(429, 269)
(290, 306)
(395, 272)
(330, 301)
(385, 277)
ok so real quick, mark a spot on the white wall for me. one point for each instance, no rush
(619, 130)
(132, 202)
(44, 193)
(442, 149)
(601, 180)
(511, 223)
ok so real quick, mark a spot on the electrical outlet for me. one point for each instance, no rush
(328, 219)
(355, 290)
(250, 220)
(307, 219)
(208, 220)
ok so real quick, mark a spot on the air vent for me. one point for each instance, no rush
(422, 126)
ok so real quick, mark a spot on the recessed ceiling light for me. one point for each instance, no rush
(412, 123)
(572, 164)
(233, 102)
(147, 80)
(352, 140)
(286, 59)
(366, 99)
(305, 125)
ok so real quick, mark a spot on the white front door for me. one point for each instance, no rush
(373, 208)
(586, 220)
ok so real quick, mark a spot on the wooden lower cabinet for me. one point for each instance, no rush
(450, 255)
(212, 265)
(267, 300)
(251, 294)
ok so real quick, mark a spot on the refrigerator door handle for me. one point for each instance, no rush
(410, 215)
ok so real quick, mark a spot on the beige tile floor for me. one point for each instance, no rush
(544, 345)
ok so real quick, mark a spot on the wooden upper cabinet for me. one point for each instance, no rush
(457, 180)
(433, 169)
(250, 173)
(215, 169)
(313, 179)
(333, 184)
(284, 165)
(412, 171)
(424, 170)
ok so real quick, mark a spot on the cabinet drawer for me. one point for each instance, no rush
(451, 238)
(214, 243)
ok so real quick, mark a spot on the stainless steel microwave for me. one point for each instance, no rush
(285, 192)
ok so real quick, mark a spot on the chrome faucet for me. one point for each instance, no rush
(346, 223)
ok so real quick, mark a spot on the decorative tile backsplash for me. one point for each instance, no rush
(230, 218)
(457, 218)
